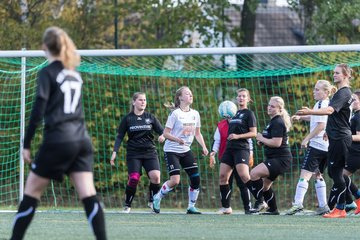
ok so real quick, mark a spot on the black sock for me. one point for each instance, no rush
(352, 187)
(354, 190)
(225, 194)
(244, 191)
(348, 196)
(339, 187)
(270, 199)
(153, 189)
(332, 198)
(23, 217)
(256, 188)
(245, 197)
(129, 195)
(95, 216)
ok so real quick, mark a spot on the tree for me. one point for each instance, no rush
(244, 34)
(329, 22)
(86, 21)
(166, 23)
(141, 24)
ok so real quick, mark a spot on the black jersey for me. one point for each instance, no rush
(58, 102)
(140, 132)
(241, 123)
(338, 124)
(276, 129)
(355, 127)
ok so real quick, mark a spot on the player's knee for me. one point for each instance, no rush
(223, 179)
(244, 178)
(254, 175)
(154, 177)
(174, 179)
(195, 181)
(134, 179)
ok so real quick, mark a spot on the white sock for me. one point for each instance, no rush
(301, 189)
(193, 196)
(164, 190)
(320, 187)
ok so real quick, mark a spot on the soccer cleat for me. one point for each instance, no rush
(192, 210)
(126, 209)
(357, 210)
(335, 213)
(295, 209)
(322, 210)
(150, 205)
(268, 212)
(156, 204)
(247, 212)
(259, 206)
(225, 210)
(351, 206)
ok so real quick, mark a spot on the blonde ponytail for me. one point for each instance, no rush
(283, 112)
(60, 45)
(327, 86)
(68, 55)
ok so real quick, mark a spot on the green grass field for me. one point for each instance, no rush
(72, 225)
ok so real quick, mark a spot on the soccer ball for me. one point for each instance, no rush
(227, 109)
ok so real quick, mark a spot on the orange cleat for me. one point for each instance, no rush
(335, 213)
(357, 210)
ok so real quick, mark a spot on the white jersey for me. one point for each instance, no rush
(182, 125)
(317, 141)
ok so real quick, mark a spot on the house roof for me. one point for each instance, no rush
(275, 26)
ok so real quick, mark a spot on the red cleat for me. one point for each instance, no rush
(357, 210)
(335, 213)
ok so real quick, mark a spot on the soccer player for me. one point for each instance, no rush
(66, 147)
(352, 162)
(316, 153)
(339, 134)
(183, 124)
(237, 152)
(274, 139)
(219, 145)
(140, 149)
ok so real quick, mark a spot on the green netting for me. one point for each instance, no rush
(109, 83)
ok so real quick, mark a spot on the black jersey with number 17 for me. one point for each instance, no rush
(58, 102)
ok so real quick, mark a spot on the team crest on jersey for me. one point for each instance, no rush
(241, 115)
(139, 118)
(147, 120)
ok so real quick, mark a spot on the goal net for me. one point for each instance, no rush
(112, 77)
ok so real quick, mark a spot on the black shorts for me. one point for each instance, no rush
(314, 160)
(176, 160)
(277, 166)
(149, 160)
(233, 157)
(53, 160)
(353, 162)
(338, 152)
